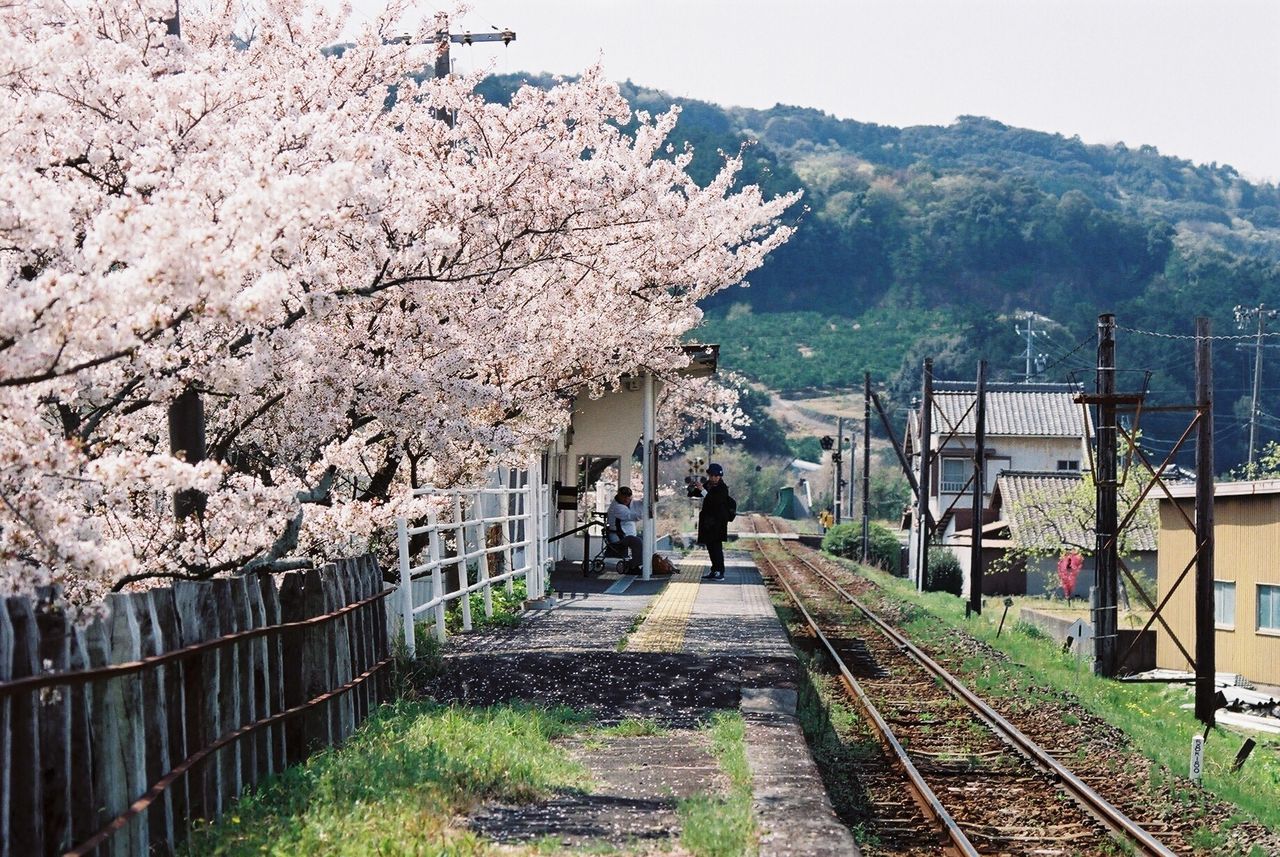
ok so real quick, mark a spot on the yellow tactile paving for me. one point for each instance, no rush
(663, 629)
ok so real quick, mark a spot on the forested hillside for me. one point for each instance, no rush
(937, 240)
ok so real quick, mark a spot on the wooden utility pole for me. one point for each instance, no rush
(443, 61)
(1105, 558)
(866, 466)
(923, 513)
(1205, 642)
(979, 488)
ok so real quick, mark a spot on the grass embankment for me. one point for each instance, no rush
(1152, 715)
(396, 786)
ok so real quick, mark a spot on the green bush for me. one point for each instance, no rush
(882, 545)
(884, 549)
(844, 540)
(944, 572)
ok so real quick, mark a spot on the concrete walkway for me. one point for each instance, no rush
(672, 652)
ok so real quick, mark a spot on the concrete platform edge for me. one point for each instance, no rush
(793, 810)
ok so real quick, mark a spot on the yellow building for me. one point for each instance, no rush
(1246, 586)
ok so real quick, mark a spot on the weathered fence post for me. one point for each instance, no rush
(84, 816)
(6, 725)
(259, 676)
(295, 664)
(26, 822)
(275, 671)
(155, 715)
(168, 638)
(54, 709)
(124, 748)
(228, 758)
(202, 685)
(244, 655)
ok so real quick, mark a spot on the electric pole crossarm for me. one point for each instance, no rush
(506, 37)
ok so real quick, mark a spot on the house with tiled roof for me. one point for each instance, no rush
(1040, 516)
(1029, 428)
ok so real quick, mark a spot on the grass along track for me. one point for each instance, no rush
(986, 796)
(1188, 818)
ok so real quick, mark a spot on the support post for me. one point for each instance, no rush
(406, 587)
(926, 453)
(866, 466)
(648, 538)
(1105, 571)
(979, 488)
(1205, 633)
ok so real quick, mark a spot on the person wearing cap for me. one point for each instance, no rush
(713, 520)
(620, 524)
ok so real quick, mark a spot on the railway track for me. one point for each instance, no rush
(975, 783)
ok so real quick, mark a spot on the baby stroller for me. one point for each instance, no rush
(612, 549)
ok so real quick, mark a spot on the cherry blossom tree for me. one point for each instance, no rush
(363, 297)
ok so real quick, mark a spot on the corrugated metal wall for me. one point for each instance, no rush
(1247, 552)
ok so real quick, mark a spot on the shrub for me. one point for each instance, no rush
(883, 546)
(884, 549)
(944, 572)
(844, 540)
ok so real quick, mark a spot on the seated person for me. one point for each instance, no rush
(620, 526)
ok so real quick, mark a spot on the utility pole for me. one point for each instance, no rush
(1243, 314)
(837, 463)
(979, 487)
(866, 466)
(1205, 633)
(1105, 557)
(923, 513)
(1031, 357)
(443, 61)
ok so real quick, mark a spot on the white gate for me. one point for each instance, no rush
(469, 515)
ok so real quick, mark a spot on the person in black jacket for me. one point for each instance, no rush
(713, 520)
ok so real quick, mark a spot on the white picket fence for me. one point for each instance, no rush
(523, 515)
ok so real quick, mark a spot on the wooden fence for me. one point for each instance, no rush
(115, 736)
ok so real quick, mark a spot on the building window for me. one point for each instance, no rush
(1224, 603)
(1268, 607)
(955, 473)
(1068, 464)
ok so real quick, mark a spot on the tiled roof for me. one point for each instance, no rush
(1022, 410)
(1025, 496)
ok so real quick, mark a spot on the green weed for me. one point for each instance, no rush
(713, 826)
(396, 785)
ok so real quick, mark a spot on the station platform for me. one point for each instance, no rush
(672, 652)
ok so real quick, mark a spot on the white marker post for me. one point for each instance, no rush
(1197, 758)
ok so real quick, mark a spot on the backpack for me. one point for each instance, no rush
(731, 509)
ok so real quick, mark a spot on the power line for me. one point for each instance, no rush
(1159, 335)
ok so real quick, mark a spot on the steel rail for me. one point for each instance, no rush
(1100, 807)
(924, 795)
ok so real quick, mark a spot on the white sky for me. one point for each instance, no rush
(1199, 79)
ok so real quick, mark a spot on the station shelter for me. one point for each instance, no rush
(611, 442)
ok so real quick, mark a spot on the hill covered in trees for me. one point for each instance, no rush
(938, 240)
